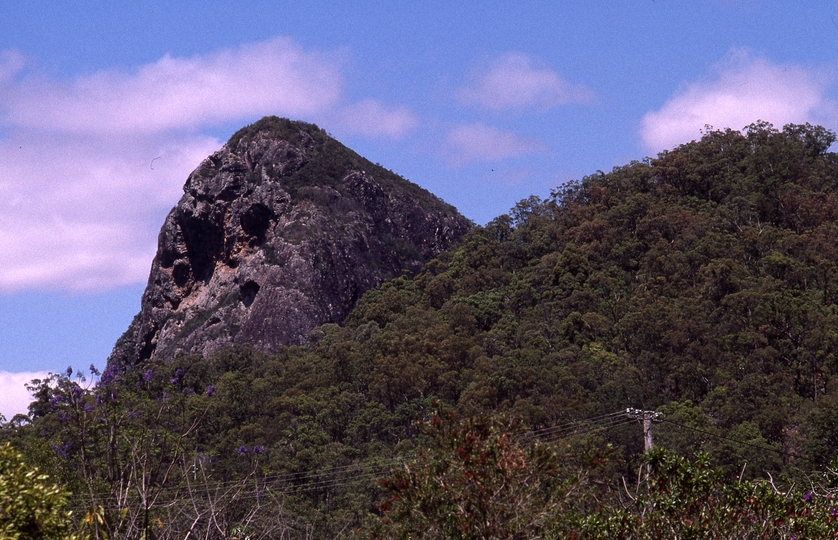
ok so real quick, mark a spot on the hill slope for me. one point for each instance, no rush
(703, 281)
(702, 284)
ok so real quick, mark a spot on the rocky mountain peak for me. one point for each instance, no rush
(280, 231)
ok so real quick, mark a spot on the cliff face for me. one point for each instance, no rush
(280, 231)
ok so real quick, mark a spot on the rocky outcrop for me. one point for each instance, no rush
(280, 231)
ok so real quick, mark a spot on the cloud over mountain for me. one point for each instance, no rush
(81, 213)
(89, 166)
(481, 143)
(15, 398)
(371, 118)
(741, 89)
(177, 93)
(515, 82)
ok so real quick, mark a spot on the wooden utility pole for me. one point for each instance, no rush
(646, 417)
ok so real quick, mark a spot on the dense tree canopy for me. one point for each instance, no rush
(702, 284)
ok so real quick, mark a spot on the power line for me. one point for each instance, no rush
(286, 483)
(575, 426)
(303, 481)
(267, 488)
(745, 443)
(311, 480)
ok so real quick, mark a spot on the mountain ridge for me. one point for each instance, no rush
(701, 284)
(279, 231)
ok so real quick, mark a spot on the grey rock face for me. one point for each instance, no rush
(280, 231)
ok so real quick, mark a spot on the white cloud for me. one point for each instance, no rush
(481, 143)
(11, 64)
(15, 398)
(271, 77)
(513, 82)
(373, 119)
(81, 202)
(83, 214)
(743, 89)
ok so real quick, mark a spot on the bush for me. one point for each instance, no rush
(30, 505)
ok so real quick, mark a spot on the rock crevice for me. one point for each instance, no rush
(278, 232)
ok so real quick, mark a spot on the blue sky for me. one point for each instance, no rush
(105, 108)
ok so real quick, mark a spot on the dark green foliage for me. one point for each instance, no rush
(476, 480)
(689, 499)
(702, 283)
(291, 130)
(480, 479)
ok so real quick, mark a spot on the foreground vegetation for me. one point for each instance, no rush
(476, 478)
(701, 284)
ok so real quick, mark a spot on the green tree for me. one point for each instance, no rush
(31, 506)
(476, 479)
(689, 499)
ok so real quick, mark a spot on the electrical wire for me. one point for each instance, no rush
(305, 481)
(737, 441)
(292, 483)
(583, 427)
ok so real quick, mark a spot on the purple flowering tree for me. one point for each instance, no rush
(131, 448)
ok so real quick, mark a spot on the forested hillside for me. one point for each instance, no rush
(701, 284)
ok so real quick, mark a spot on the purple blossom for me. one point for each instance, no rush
(88, 407)
(808, 497)
(210, 390)
(77, 391)
(258, 450)
(108, 376)
(832, 511)
(94, 371)
(57, 399)
(147, 375)
(62, 450)
(242, 451)
(69, 371)
(178, 373)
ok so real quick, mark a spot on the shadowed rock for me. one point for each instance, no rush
(280, 231)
